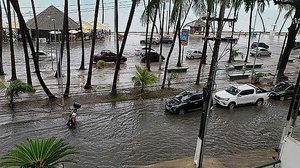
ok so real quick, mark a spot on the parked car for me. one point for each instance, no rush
(166, 39)
(241, 94)
(44, 56)
(108, 57)
(105, 51)
(260, 52)
(142, 51)
(154, 57)
(193, 54)
(155, 40)
(282, 91)
(256, 44)
(184, 102)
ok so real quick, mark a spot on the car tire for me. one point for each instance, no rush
(181, 111)
(231, 105)
(259, 102)
(192, 57)
(282, 98)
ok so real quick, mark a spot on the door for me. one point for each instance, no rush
(246, 96)
(290, 92)
(195, 102)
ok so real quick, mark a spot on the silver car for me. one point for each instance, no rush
(193, 54)
(260, 51)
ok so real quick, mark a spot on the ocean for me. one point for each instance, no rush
(87, 7)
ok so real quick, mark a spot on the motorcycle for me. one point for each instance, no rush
(72, 118)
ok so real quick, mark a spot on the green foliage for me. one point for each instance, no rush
(143, 78)
(100, 64)
(2, 86)
(15, 88)
(234, 53)
(38, 153)
(259, 75)
(171, 78)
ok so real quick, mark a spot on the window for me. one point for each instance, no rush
(247, 92)
(195, 97)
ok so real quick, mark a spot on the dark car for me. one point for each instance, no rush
(108, 57)
(282, 91)
(229, 39)
(297, 45)
(154, 57)
(166, 39)
(184, 102)
(263, 45)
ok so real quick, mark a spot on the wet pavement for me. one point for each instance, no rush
(134, 133)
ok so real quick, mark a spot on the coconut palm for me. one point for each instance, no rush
(15, 88)
(39, 153)
(1, 42)
(143, 78)
(200, 6)
(117, 68)
(175, 17)
(11, 43)
(249, 5)
(23, 26)
(81, 35)
(28, 71)
(292, 33)
(66, 33)
(88, 84)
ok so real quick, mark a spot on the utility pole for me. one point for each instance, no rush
(208, 90)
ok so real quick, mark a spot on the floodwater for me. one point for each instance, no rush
(134, 133)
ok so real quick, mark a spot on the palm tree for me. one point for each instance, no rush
(176, 13)
(28, 72)
(292, 33)
(1, 42)
(117, 68)
(102, 4)
(23, 26)
(88, 84)
(39, 153)
(11, 43)
(81, 35)
(66, 33)
(199, 6)
(249, 4)
(143, 78)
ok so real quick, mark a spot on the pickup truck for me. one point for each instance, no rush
(240, 95)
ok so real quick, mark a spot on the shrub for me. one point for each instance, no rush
(100, 64)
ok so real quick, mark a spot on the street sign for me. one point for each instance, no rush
(184, 38)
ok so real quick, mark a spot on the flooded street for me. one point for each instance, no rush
(132, 133)
(135, 133)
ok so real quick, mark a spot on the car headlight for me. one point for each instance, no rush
(225, 99)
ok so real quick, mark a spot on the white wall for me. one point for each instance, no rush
(290, 153)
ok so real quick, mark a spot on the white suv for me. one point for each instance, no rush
(260, 51)
(193, 54)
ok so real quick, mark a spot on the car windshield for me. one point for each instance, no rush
(183, 96)
(280, 87)
(233, 90)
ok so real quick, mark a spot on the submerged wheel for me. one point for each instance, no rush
(192, 57)
(231, 105)
(259, 102)
(182, 111)
(282, 98)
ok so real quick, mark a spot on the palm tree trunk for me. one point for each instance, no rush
(28, 72)
(169, 16)
(1, 42)
(179, 48)
(232, 32)
(151, 35)
(88, 84)
(23, 26)
(81, 35)
(171, 50)
(292, 33)
(282, 26)
(262, 21)
(66, 33)
(147, 32)
(117, 68)
(204, 49)
(162, 33)
(11, 43)
(102, 4)
(250, 27)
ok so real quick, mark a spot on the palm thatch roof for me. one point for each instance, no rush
(50, 16)
(196, 23)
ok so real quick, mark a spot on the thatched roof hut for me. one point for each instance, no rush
(50, 16)
(196, 26)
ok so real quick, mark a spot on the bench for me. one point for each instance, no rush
(291, 60)
(238, 76)
(247, 66)
(178, 70)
